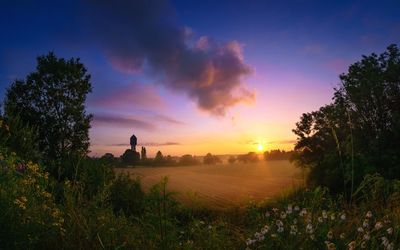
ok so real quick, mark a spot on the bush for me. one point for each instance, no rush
(126, 195)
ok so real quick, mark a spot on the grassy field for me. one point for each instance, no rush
(223, 185)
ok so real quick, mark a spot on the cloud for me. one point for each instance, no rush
(146, 144)
(144, 33)
(167, 119)
(133, 95)
(122, 121)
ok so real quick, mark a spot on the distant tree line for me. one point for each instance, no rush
(277, 154)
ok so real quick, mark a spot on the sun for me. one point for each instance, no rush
(260, 147)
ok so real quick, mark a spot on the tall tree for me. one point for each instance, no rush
(359, 132)
(52, 99)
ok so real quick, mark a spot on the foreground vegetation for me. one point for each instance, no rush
(101, 211)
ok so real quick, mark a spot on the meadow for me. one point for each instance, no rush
(222, 185)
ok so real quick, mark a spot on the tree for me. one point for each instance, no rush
(249, 157)
(130, 157)
(159, 159)
(52, 100)
(210, 159)
(188, 160)
(232, 160)
(143, 154)
(359, 132)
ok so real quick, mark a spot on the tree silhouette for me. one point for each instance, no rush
(359, 133)
(52, 99)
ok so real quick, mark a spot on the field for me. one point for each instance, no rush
(222, 185)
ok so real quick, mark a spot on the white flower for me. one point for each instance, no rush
(365, 223)
(368, 214)
(283, 215)
(289, 209)
(275, 209)
(389, 230)
(309, 229)
(324, 214)
(273, 235)
(367, 236)
(342, 235)
(280, 229)
(330, 235)
(293, 229)
(385, 241)
(249, 242)
(360, 229)
(312, 236)
(333, 217)
(320, 219)
(378, 225)
(390, 246)
(343, 216)
(279, 223)
(363, 245)
(295, 221)
(303, 212)
(267, 214)
(296, 208)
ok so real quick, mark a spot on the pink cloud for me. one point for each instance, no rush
(130, 96)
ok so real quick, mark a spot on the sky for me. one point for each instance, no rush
(192, 77)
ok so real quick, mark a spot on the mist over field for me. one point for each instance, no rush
(223, 185)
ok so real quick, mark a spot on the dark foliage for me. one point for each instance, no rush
(359, 133)
(52, 100)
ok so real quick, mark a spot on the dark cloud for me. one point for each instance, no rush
(134, 34)
(122, 121)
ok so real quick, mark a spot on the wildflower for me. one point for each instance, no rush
(320, 219)
(367, 236)
(385, 241)
(368, 214)
(290, 209)
(309, 229)
(209, 227)
(283, 215)
(330, 235)
(389, 230)
(352, 245)
(333, 216)
(378, 225)
(275, 209)
(293, 229)
(202, 222)
(249, 242)
(331, 246)
(365, 223)
(267, 214)
(279, 223)
(360, 229)
(324, 214)
(303, 212)
(343, 216)
(20, 168)
(342, 235)
(21, 202)
(280, 229)
(273, 235)
(363, 245)
(296, 208)
(390, 246)
(294, 221)
(312, 236)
